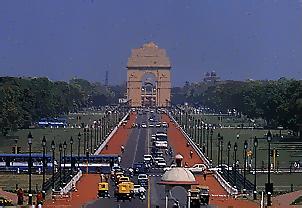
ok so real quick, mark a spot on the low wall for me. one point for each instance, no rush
(101, 147)
(70, 185)
(231, 190)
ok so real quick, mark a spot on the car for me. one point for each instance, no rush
(151, 125)
(165, 125)
(161, 163)
(143, 180)
(139, 168)
(158, 154)
(169, 168)
(218, 168)
(136, 189)
(158, 125)
(197, 168)
(148, 159)
(144, 125)
(142, 177)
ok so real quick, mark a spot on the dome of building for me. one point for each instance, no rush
(178, 176)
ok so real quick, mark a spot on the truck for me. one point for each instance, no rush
(199, 196)
(124, 191)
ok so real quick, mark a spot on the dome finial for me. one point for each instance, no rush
(178, 160)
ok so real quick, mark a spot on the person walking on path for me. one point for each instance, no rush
(20, 195)
(39, 198)
(204, 176)
(191, 154)
(122, 149)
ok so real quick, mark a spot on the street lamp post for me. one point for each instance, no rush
(91, 139)
(44, 162)
(79, 146)
(218, 153)
(229, 148)
(71, 160)
(208, 132)
(186, 123)
(235, 163)
(29, 137)
(255, 176)
(53, 147)
(221, 150)
(195, 130)
(245, 145)
(269, 186)
(211, 144)
(60, 163)
(85, 138)
(198, 132)
(64, 160)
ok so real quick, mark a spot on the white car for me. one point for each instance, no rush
(151, 125)
(169, 168)
(218, 168)
(158, 125)
(136, 189)
(161, 163)
(148, 159)
(161, 144)
(142, 177)
(144, 125)
(165, 125)
(197, 168)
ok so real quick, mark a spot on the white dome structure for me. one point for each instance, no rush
(178, 175)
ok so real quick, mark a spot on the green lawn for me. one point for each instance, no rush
(59, 135)
(8, 181)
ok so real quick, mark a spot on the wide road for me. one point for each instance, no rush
(138, 144)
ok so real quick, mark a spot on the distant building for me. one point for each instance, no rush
(211, 77)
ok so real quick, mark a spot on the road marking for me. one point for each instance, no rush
(138, 135)
(149, 193)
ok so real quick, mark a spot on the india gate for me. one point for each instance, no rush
(148, 77)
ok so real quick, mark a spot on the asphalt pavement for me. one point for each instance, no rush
(138, 144)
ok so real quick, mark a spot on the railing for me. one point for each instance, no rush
(101, 147)
(231, 190)
(72, 184)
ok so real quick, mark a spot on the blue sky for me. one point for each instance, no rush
(239, 39)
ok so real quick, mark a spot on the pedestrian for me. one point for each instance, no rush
(20, 195)
(106, 146)
(191, 154)
(39, 198)
(122, 148)
(204, 175)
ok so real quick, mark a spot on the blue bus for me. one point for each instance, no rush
(52, 122)
(19, 162)
(94, 163)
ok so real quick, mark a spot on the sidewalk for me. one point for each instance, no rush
(179, 144)
(284, 200)
(87, 187)
(10, 196)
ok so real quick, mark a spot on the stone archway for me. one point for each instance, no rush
(149, 59)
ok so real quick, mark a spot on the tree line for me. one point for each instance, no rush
(279, 102)
(26, 100)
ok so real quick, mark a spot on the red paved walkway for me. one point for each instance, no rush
(179, 144)
(87, 186)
